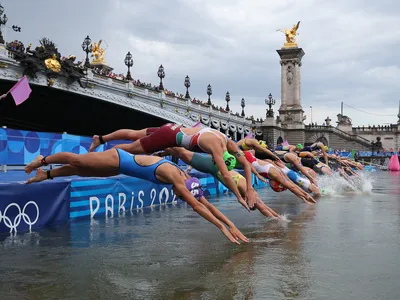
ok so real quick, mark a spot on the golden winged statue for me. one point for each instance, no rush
(290, 36)
(97, 52)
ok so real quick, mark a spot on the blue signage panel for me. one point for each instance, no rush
(107, 197)
(26, 207)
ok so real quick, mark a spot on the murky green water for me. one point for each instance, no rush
(345, 247)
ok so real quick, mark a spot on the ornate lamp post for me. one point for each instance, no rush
(3, 21)
(209, 93)
(129, 64)
(270, 102)
(227, 99)
(243, 104)
(161, 75)
(87, 47)
(187, 85)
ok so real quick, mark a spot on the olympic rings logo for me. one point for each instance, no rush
(13, 224)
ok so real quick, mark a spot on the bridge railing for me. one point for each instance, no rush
(200, 108)
(339, 132)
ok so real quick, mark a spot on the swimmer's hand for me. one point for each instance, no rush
(244, 203)
(251, 197)
(308, 199)
(229, 235)
(314, 181)
(237, 234)
(262, 178)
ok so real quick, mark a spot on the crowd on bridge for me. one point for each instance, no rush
(295, 168)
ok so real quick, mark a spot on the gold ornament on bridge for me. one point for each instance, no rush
(53, 64)
(97, 52)
(290, 35)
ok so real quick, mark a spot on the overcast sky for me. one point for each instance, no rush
(352, 47)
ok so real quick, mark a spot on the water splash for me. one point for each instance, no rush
(337, 186)
(284, 218)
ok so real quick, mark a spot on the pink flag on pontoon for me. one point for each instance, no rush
(21, 91)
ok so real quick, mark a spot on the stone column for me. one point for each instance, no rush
(291, 111)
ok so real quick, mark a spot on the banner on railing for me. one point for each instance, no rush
(19, 147)
(27, 207)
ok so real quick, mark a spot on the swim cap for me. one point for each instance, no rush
(326, 148)
(299, 146)
(194, 186)
(263, 144)
(277, 186)
(230, 160)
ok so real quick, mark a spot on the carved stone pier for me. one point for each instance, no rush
(291, 111)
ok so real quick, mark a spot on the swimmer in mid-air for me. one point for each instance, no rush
(258, 146)
(204, 163)
(316, 147)
(197, 139)
(273, 173)
(152, 168)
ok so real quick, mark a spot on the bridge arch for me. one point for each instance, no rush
(323, 140)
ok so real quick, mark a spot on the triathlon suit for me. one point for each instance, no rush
(282, 148)
(129, 166)
(314, 164)
(171, 135)
(204, 163)
(261, 169)
(313, 147)
(302, 182)
(243, 146)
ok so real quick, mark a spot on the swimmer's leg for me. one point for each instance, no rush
(69, 170)
(122, 134)
(105, 161)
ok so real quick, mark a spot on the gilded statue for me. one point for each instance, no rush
(290, 36)
(97, 52)
(53, 64)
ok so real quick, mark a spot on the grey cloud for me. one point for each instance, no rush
(233, 47)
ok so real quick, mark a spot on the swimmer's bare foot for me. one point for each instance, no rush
(34, 164)
(95, 143)
(40, 176)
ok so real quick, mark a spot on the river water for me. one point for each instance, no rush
(344, 247)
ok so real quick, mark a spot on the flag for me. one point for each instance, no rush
(249, 136)
(21, 91)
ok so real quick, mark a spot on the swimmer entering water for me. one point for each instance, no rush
(208, 140)
(155, 169)
(204, 163)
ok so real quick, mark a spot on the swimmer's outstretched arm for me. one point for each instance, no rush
(324, 154)
(279, 176)
(255, 145)
(251, 195)
(181, 190)
(295, 161)
(306, 154)
(232, 228)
